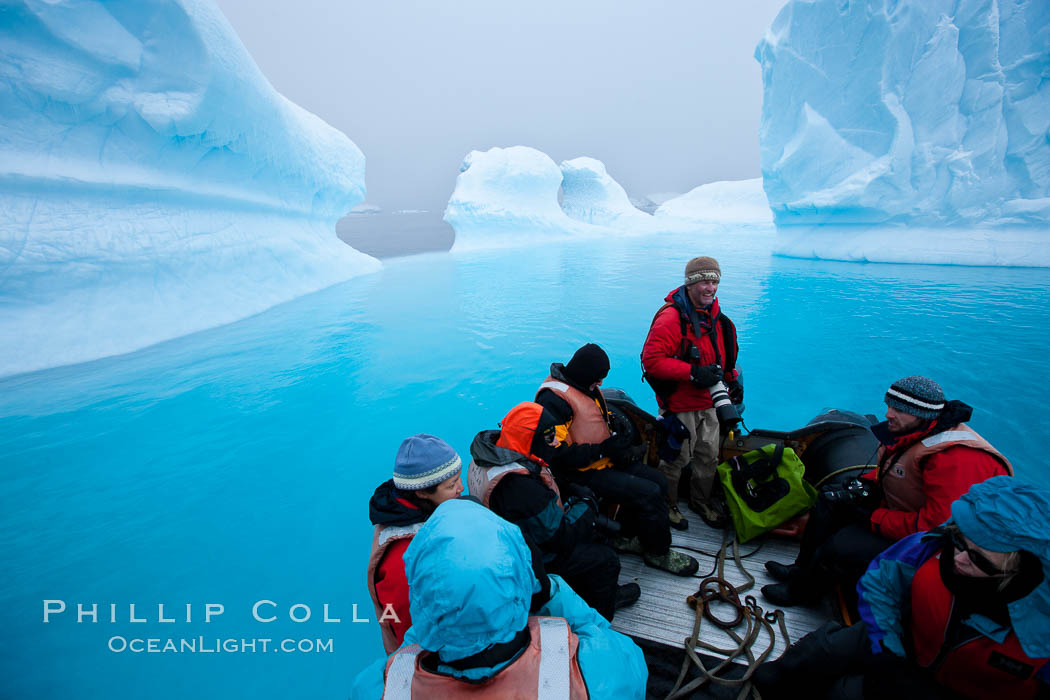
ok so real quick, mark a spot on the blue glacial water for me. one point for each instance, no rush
(235, 465)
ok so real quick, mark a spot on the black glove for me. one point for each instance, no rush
(620, 423)
(580, 492)
(616, 447)
(736, 392)
(704, 376)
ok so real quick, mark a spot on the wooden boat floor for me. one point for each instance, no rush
(662, 614)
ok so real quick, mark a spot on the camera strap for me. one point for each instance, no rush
(698, 330)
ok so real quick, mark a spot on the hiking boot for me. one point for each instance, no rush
(630, 545)
(785, 595)
(675, 562)
(627, 594)
(678, 521)
(711, 513)
(781, 572)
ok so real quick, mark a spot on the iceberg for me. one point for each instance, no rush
(727, 201)
(154, 183)
(591, 195)
(516, 196)
(509, 197)
(889, 121)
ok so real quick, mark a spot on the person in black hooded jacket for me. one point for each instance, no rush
(510, 479)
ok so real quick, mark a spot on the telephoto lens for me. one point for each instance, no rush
(724, 408)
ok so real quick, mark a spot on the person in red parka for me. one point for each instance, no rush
(426, 474)
(927, 459)
(691, 346)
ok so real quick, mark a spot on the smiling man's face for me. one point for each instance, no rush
(702, 293)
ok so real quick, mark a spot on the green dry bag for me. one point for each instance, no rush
(764, 488)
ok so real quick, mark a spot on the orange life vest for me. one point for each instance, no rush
(548, 668)
(382, 538)
(482, 481)
(590, 424)
(902, 482)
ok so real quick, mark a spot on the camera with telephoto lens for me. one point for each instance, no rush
(602, 523)
(853, 490)
(726, 412)
(724, 408)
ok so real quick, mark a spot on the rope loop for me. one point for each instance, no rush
(716, 589)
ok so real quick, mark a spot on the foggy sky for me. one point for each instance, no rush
(666, 94)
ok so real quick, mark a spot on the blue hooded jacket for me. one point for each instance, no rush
(1002, 514)
(471, 582)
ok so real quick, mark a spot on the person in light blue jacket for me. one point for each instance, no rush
(471, 584)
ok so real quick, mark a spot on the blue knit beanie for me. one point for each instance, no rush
(916, 396)
(424, 461)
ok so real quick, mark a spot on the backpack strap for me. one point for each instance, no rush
(661, 387)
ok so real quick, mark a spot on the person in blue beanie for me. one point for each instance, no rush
(960, 611)
(471, 585)
(426, 474)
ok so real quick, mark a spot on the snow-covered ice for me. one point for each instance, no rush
(154, 183)
(591, 195)
(509, 196)
(516, 196)
(925, 115)
(727, 201)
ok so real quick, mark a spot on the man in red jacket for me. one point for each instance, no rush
(690, 347)
(928, 458)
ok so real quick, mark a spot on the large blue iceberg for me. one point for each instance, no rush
(930, 114)
(154, 183)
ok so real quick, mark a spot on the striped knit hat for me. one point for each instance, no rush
(424, 461)
(916, 396)
(702, 268)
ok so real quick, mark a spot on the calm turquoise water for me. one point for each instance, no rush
(235, 465)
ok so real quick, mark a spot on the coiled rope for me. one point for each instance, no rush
(716, 589)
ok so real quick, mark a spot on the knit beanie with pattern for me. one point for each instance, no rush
(423, 461)
(702, 268)
(916, 396)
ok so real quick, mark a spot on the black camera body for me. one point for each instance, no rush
(602, 523)
(853, 490)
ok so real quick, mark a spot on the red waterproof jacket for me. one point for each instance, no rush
(663, 351)
(923, 473)
(946, 476)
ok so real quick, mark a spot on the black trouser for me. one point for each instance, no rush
(592, 569)
(835, 548)
(837, 662)
(641, 492)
